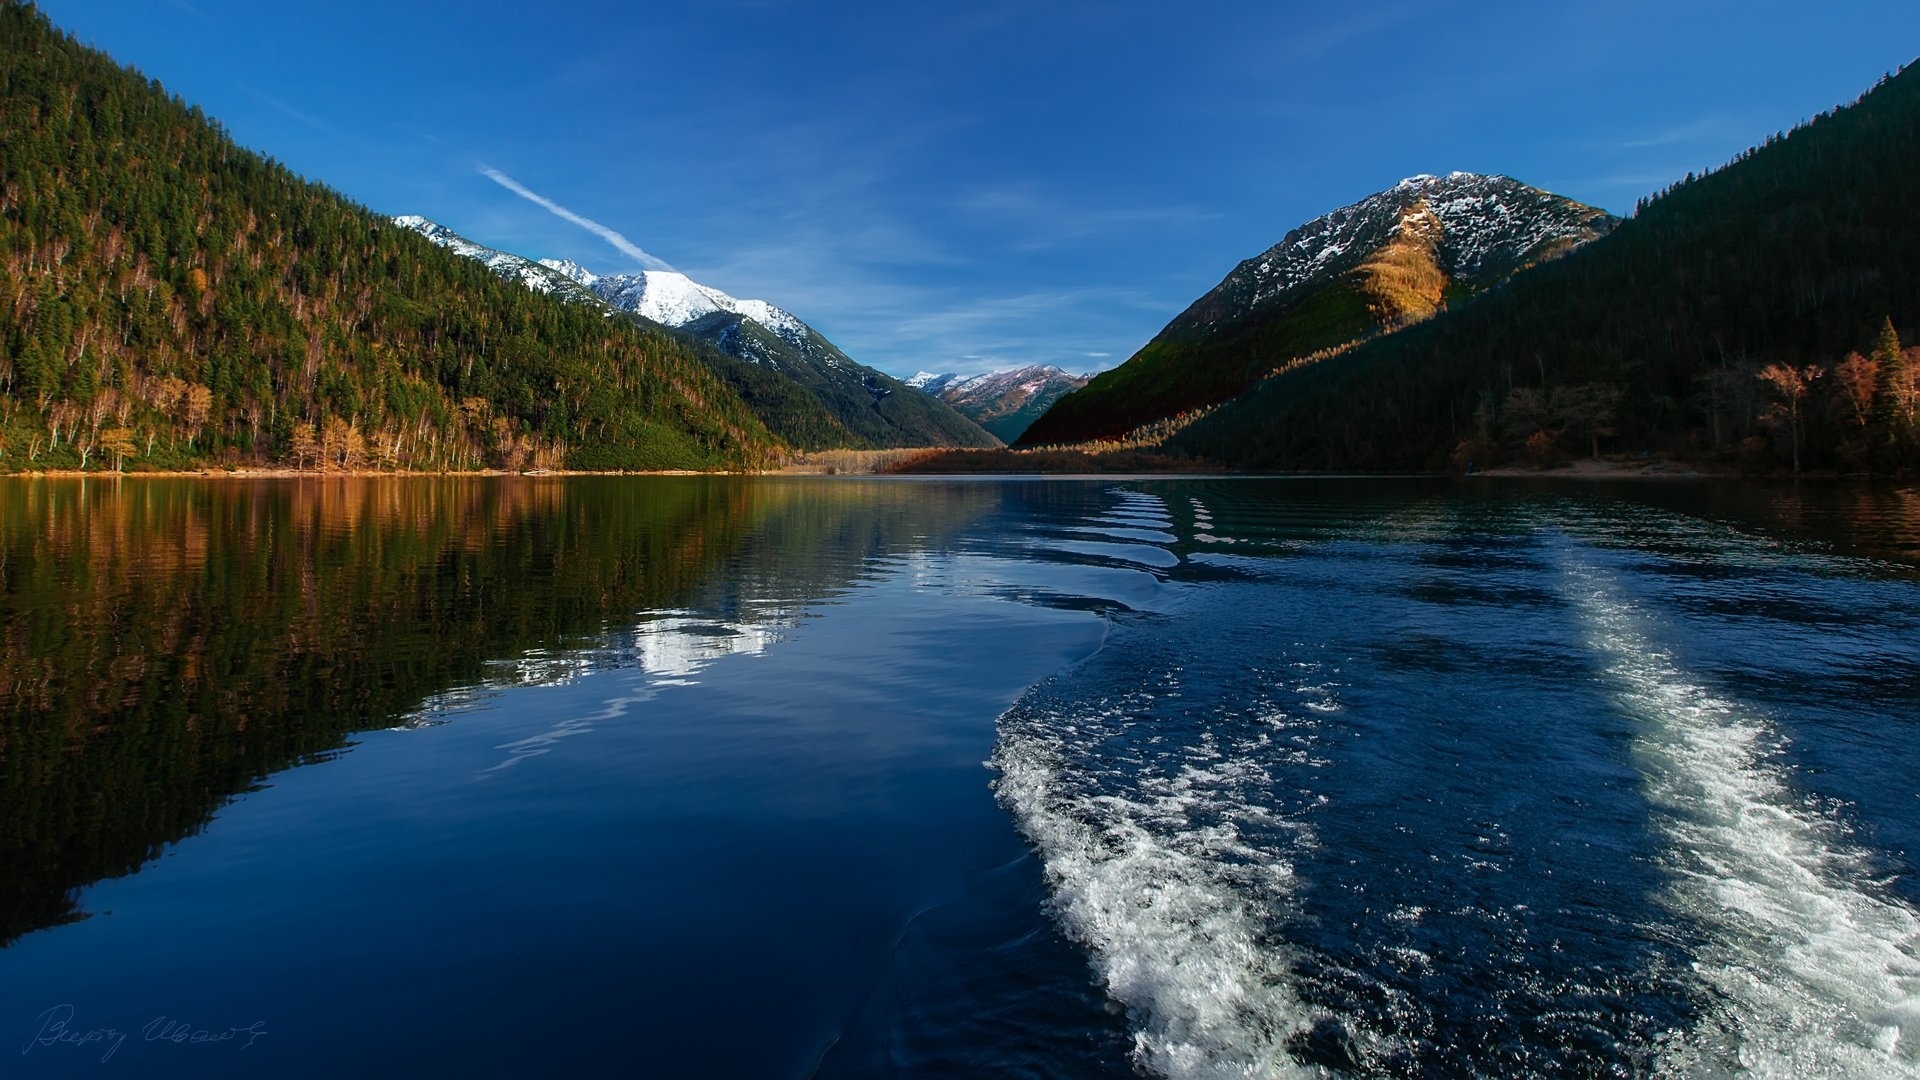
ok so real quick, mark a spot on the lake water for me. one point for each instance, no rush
(1055, 778)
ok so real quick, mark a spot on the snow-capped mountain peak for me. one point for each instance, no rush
(1391, 259)
(935, 383)
(666, 297)
(1480, 225)
(673, 299)
(571, 269)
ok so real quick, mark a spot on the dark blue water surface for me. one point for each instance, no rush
(1050, 778)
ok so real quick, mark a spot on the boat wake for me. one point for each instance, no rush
(1166, 860)
(1809, 968)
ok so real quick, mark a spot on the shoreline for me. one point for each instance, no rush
(1603, 469)
(1585, 470)
(335, 474)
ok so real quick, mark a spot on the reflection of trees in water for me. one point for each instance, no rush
(164, 645)
(1872, 520)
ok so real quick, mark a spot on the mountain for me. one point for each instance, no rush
(1393, 258)
(879, 409)
(802, 385)
(533, 275)
(1003, 402)
(791, 412)
(169, 299)
(1752, 316)
(672, 299)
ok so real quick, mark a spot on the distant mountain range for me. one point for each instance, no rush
(1393, 258)
(1003, 402)
(801, 385)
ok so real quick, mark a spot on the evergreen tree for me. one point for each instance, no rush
(1892, 400)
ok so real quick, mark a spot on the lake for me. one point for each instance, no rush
(790, 777)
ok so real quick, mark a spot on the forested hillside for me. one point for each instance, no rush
(1752, 316)
(169, 299)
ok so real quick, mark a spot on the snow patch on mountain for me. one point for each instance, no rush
(533, 275)
(931, 382)
(1003, 402)
(570, 269)
(674, 299)
(1482, 225)
(669, 298)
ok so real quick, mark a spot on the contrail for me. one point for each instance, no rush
(626, 246)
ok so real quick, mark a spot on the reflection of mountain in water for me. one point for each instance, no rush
(671, 645)
(166, 645)
(677, 645)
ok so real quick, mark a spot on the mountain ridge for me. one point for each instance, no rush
(1397, 256)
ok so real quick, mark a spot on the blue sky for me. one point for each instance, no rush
(979, 185)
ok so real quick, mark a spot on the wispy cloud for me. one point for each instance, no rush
(1693, 131)
(183, 6)
(306, 118)
(1334, 35)
(622, 244)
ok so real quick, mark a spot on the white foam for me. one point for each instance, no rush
(1811, 969)
(1169, 898)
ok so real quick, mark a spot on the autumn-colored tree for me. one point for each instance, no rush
(304, 448)
(1790, 384)
(342, 445)
(198, 404)
(119, 442)
(1851, 404)
(1858, 377)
